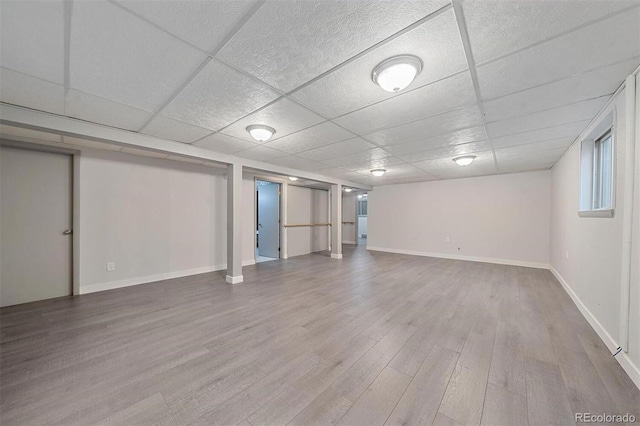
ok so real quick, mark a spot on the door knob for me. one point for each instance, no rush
(67, 232)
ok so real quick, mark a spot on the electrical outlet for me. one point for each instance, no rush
(111, 266)
(447, 239)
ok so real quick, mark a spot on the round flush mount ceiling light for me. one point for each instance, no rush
(378, 172)
(397, 72)
(464, 160)
(260, 132)
(348, 189)
(293, 178)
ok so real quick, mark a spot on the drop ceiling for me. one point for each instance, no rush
(512, 82)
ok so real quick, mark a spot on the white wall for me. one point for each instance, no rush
(154, 218)
(305, 206)
(592, 271)
(503, 218)
(349, 215)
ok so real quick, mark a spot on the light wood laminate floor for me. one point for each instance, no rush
(371, 339)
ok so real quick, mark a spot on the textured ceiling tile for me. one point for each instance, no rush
(437, 42)
(440, 166)
(567, 131)
(600, 82)
(607, 42)
(284, 115)
(30, 92)
(425, 101)
(32, 38)
(448, 152)
(167, 128)
(295, 162)
(547, 151)
(119, 57)
(323, 134)
(9, 131)
(395, 171)
(202, 23)
(585, 110)
(430, 127)
(373, 158)
(288, 43)
(350, 146)
(102, 111)
(224, 144)
(218, 96)
(518, 24)
(454, 138)
(260, 153)
(86, 143)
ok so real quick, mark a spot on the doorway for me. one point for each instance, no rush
(267, 221)
(36, 193)
(361, 211)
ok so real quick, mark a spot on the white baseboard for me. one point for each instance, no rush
(235, 280)
(92, 288)
(623, 359)
(336, 256)
(460, 257)
(348, 242)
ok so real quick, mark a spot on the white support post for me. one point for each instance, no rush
(336, 221)
(234, 224)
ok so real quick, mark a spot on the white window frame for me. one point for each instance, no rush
(589, 171)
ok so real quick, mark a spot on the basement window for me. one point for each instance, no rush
(597, 165)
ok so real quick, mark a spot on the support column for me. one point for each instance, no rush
(283, 220)
(336, 221)
(234, 223)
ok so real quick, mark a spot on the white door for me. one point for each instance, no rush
(268, 215)
(35, 212)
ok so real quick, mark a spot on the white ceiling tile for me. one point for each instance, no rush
(117, 56)
(373, 158)
(32, 38)
(143, 152)
(174, 130)
(288, 43)
(260, 153)
(437, 42)
(430, 127)
(86, 143)
(9, 131)
(547, 151)
(295, 162)
(518, 24)
(202, 23)
(218, 96)
(347, 147)
(224, 144)
(454, 138)
(396, 171)
(285, 116)
(448, 152)
(607, 42)
(585, 110)
(444, 95)
(322, 134)
(567, 131)
(600, 82)
(23, 90)
(103, 111)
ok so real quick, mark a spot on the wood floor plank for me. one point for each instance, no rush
(374, 406)
(375, 337)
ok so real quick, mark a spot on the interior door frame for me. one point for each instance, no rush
(75, 199)
(255, 234)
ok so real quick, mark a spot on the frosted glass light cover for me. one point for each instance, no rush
(394, 74)
(261, 133)
(465, 160)
(378, 172)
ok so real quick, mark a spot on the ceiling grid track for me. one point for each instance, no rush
(464, 34)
